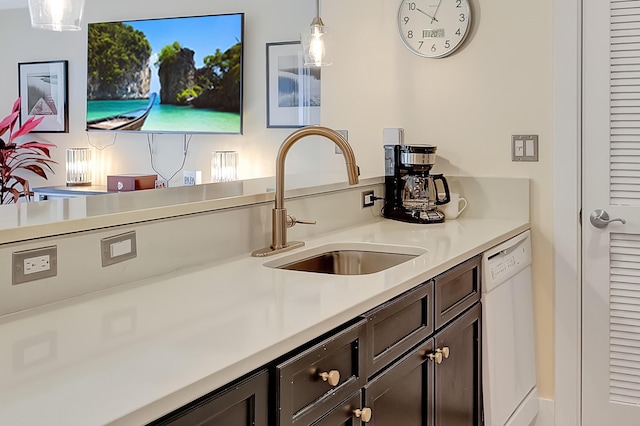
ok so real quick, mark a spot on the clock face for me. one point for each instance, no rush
(434, 28)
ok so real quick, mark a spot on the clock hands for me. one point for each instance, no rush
(433, 18)
(436, 12)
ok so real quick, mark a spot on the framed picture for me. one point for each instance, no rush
(293, 89)
(43, 91)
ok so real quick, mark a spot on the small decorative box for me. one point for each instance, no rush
(131, 182)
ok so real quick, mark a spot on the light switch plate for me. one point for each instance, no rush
(524, 148)
(118, 248)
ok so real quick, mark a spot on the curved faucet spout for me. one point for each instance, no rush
(280, 221)
(332, 135)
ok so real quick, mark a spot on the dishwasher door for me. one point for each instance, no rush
(508, 340)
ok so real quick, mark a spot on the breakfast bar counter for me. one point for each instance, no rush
(133, 353)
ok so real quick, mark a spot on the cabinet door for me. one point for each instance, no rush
(458, 384)
(403, 394)
(244, 404)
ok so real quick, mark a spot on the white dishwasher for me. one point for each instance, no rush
(508, 341)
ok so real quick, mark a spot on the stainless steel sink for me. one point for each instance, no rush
(348, 259)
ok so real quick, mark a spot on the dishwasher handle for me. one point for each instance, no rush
(508, 250)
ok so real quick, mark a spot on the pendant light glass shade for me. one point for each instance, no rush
(56, 15)
(314, 42)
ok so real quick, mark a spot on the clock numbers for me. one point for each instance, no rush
(442, 25)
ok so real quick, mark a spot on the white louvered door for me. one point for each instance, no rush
(611, 181)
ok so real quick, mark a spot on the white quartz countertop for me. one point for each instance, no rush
(132, 354)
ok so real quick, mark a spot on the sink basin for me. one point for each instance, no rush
(348, 258)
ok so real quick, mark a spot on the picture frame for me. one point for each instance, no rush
(43, 89)
(293, 89)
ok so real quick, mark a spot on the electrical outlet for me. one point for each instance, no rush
(367, 199)
(36, 264)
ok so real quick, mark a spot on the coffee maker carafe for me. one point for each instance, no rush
(412, 193)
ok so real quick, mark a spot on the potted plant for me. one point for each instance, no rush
(31, 156)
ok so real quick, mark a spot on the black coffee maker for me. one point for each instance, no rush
(412, 194)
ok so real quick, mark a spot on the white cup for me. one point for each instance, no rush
(452, 209)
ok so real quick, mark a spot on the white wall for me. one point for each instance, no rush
(468, 105)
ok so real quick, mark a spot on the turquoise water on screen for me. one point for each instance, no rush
(169, 118)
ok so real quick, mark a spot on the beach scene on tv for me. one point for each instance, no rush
(166, 75)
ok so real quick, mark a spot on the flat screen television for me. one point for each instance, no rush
(173, 75)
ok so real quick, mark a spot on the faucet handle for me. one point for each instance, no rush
(291, 221)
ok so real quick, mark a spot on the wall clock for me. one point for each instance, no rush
(434, 28)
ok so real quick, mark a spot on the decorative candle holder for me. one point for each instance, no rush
(78, 166)
(224, 166)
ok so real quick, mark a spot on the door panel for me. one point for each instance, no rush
(611, 181)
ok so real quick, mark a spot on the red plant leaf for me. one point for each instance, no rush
(16, 106)
(4, 124)
(36, 169)
(31, 123)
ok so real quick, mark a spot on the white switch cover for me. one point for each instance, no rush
(121, 248)
(519, 148)
(529, 148)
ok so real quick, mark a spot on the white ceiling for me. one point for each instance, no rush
(12, 4)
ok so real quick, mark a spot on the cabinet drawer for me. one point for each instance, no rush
(456, 290)
(398, 325)
(303, 393)
(343, 414)
(244, 403)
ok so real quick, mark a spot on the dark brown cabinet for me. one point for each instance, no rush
(241, 404)
(412, 361)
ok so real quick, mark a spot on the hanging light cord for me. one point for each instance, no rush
(115, 136)
(185, 147)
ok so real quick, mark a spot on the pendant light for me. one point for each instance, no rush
(314, 43)
(56, 15)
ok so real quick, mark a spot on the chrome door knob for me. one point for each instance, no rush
(600, 218)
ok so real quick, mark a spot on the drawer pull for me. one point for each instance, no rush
(445, 351)
(439, 354)
(364, 414)
(436, 356)
(332, 377)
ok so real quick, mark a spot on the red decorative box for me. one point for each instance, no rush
(131, 182)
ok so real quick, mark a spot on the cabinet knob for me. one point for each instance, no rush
(436, 356)
(332, 377)
(364, 414)
(445, 351)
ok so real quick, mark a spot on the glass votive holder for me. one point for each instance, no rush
(78, 166)
(224, 166)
